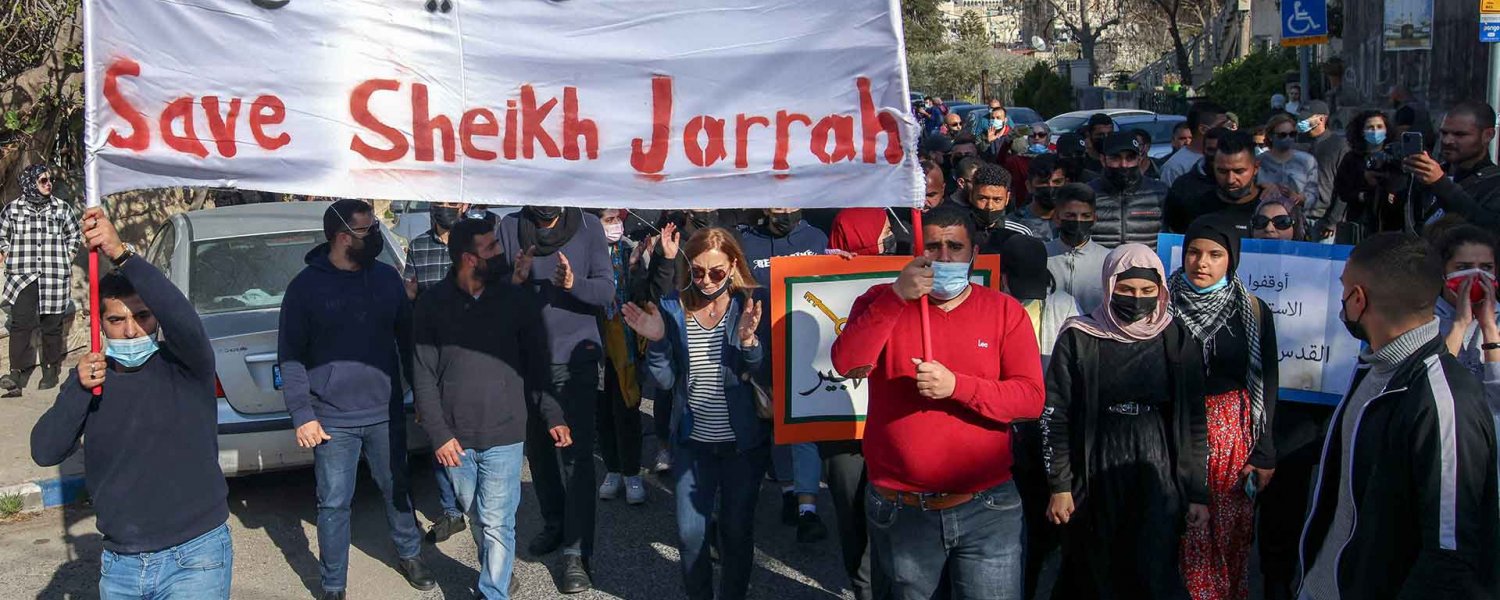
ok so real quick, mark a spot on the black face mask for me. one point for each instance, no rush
(368, 248)
(542, 215)
(1122, 178)
(1045, 197)
(719, 292)
(444, 217)
(1354, 327)
(782, 224)
(703, 220)
(989, 219)
(1129, 309)
(888, 245)
(1097, 145)
(1075, 233)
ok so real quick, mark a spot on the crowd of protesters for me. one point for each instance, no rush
(1101, 412)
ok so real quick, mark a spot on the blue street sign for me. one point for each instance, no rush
(1489, 28)
(1304, 21)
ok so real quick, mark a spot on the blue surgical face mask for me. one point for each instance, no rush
(1037, 148)
(1304, 125)
(131, 352)
(1223, 283)
(1374, 138)
(949, 279)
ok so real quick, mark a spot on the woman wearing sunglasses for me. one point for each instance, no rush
(703, 347)
(1284, 165)
(1277, 217)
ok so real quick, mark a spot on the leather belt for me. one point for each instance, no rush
(923, 500)
(1131, 408)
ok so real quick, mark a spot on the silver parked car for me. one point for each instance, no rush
(234, 264)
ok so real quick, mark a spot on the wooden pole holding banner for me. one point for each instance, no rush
(916, 250)
(91, 174)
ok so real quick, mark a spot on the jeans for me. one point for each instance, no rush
(661, 413)
(979, 542)
(336, 463)
(619, 429)
(445, 489)
(488, 484)
(26, 318)
(198, 569)
(564, 477)
(847, 484)
(802, 462)
(709, 476)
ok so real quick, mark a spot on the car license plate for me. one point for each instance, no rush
(276, 376)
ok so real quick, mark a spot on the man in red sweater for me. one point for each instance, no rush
(937, 437)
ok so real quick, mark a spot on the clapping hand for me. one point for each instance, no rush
(563, 277)
(522, 274)
(646, 322)
(671, 240)
(749, 322)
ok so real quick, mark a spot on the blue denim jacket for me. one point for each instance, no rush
(666, 361)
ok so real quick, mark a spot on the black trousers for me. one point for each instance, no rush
(564, 477)
(25, 320)
(844, 468)
(1300, 429)
(619, 428)
(1042, 537)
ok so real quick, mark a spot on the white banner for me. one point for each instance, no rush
(1299, 282)
(603, 103)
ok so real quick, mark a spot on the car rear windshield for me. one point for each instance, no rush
(1160, 131)
(1061, 125)
(250, 272)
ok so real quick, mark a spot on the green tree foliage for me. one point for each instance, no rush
(1245, 86)
(924, 27)
(1044, 91)
(972, 32)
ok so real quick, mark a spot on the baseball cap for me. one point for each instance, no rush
(1122, 141)
(1316, 107)
(1071, 144)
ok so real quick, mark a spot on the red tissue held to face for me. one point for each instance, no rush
(1476, 292)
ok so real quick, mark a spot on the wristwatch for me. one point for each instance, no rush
(1490, 346)
(126, 255)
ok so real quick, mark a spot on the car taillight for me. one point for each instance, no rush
(219, 389)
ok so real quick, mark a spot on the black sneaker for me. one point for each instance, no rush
(789, 509)
(546, 542)
(445, 528)
(575, 577)
(810, 528)
(333, 596)
(14, 383)
(417, 575)
(49, 378)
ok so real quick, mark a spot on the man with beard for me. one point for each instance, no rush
(1201, 118)
(427, 263)
(1467, 183)
(345, 321)
(1193, 184)
(481, 368)
(989, 198)
(38, 237)
(1127, 205)
(561, 255)
(1328, 147)
(1231, 204)
(798, 468)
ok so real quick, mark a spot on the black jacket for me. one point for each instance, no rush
(1182, 198)
(1424, 487)
(481, 365)
(1128, 216)
(1073, 404)
(1476, 196)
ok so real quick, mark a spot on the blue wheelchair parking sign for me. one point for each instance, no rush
(1304, 20)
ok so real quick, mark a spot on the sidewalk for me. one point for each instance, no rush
(39, 487)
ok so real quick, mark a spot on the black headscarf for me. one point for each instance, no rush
(29, 191)
(1211, 230)
(547, 240)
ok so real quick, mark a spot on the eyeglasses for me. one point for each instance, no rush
(714, 275)
(1039, 135)
(1281, 135)
(1282, 222)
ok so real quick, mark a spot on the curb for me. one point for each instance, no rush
(40, 495)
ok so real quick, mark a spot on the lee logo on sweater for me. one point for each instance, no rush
(983, 344)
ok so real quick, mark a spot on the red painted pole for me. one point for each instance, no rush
(94, 342)
(916, 250)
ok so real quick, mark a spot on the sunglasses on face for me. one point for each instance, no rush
(1282, 222)
(1039, 135)
(713, 275)
(1281, 135)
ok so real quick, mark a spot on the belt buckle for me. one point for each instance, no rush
(1128, 408)
(922, 500)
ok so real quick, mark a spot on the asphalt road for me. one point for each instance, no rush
(56, 554)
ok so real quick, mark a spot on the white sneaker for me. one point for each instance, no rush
(663, 460)
(610, 489)
(635, 491)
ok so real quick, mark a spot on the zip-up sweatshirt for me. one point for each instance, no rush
(345, 336)
(1406, 504)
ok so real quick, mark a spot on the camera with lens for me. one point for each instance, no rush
(1388, 159)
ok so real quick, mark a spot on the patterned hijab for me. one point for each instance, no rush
(29, 190)
(1205, 313)
(1102, 323)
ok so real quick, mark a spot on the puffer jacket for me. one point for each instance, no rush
(1132, 216)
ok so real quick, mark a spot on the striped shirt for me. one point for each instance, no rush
(706, 383)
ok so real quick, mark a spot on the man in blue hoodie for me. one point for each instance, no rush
(345, 340)
(561, 255)
(798, 467)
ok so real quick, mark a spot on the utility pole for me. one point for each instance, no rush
(1304, 56)
(1493, 93)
